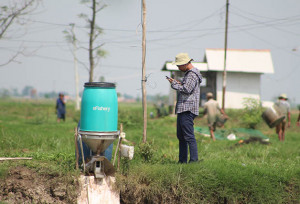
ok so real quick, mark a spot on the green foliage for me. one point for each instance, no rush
(130, 115)
(252, 112)
(125, 163)
(29, 129)
(229, 173)
(146, 151)
(75, 115)
(101, 52)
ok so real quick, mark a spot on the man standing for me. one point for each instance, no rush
(187, 107)
(213, 111)
(284, 107)
(60, 107)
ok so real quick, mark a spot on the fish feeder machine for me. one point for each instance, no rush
(98, 127)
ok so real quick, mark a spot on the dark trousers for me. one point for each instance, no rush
(186, 137)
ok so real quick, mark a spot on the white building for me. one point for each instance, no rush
(244, 69)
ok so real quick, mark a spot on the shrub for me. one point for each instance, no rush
(252, 112)
(146, 151)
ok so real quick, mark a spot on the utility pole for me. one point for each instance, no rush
(225, 55)
(77, 107)
(144, 95)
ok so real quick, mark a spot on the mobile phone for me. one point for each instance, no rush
(167, 77)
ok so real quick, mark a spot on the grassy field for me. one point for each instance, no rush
(229, 173)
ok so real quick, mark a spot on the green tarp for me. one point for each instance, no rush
(240, 133)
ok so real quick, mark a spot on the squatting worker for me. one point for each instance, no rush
(213, 111)
(187, 107)
(284, 108)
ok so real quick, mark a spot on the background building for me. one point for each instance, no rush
(244, 70)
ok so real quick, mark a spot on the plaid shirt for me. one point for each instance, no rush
(188, 92)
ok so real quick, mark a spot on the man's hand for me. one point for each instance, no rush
(170, 80)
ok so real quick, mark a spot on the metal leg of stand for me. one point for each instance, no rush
(82, 153)
(116, 150)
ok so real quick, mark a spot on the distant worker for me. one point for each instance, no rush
(284, 107)
(298, 120)
(60, 107)
(187, 107)
(213, 112)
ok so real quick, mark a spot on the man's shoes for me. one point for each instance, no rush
(198, 161)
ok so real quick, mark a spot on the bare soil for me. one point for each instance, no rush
(24, 185)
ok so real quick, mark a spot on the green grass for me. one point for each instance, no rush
(29, 129)
(249, 173)
(229, 173)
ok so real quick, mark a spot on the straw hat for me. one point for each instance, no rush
(209, 95)
(283, 96)
(181, 59)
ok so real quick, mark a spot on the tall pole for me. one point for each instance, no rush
(144, 95)
(75, 69)
(225, 56)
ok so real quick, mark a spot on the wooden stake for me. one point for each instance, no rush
(119, 156)
(76, 148)
(14, 158)
(225, 57)
(144, 98)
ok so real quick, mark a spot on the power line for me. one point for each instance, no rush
(102, 65)
(266, 24)
(243, 11)
(212, 31)
(279, 48)
(190, 24)
(267, 42)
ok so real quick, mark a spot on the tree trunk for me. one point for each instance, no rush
(91, 41)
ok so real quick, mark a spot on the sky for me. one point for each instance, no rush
(172, 26)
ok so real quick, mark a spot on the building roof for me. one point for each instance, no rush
(237, 60)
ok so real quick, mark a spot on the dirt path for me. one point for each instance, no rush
(24, 185)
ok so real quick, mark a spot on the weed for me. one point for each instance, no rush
(146, 151)
(125, 162)
(3, 171)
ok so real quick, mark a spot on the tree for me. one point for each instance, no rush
(71, 38)
(11, 14)
(4, 93)
(26, 90)
(94, 49)
(102, 79)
